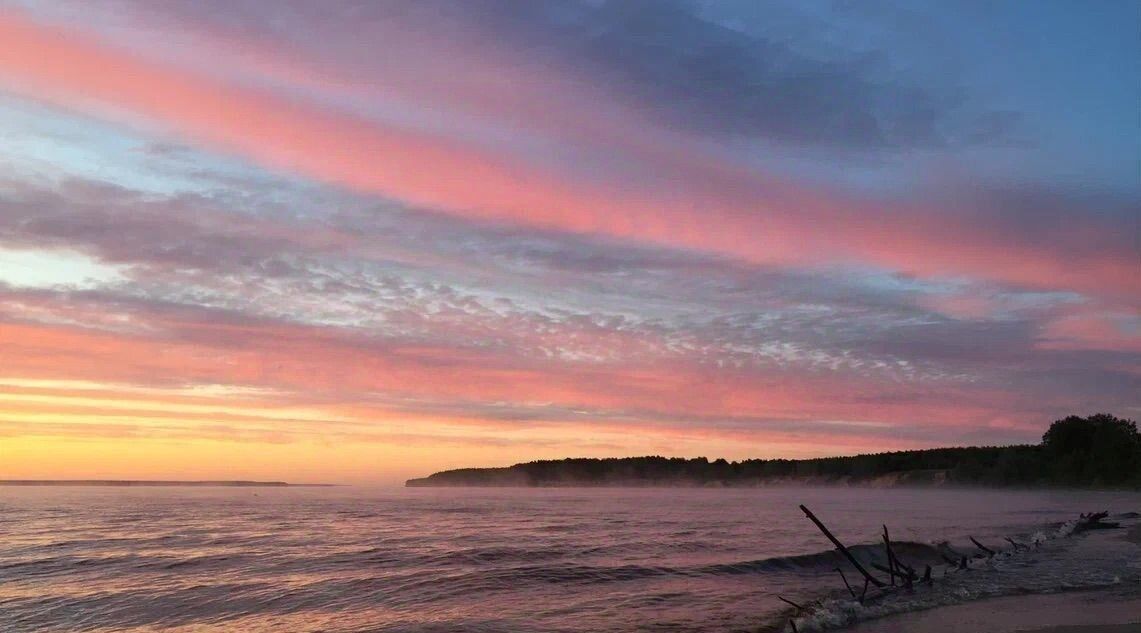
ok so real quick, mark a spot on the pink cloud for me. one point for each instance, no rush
(319, 365)
(716, 208)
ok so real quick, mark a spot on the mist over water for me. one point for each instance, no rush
(355, 560)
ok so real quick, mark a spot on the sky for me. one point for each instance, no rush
(356, 242)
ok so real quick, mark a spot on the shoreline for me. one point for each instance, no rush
(771, 483)
(1115, 609)
(1087, 611)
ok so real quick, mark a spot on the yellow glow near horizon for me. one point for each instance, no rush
(64, 429)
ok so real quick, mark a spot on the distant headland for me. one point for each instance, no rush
(1099, 451)
(155, 483)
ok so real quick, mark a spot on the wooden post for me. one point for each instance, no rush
(904, 576)
(845, 579)
(843, 550)
(787, 601)
(989, 551)
(890, 556)
(1016, 544)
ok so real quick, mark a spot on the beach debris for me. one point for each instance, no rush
(989, 552)
(843, 550)
(895, 569)
(952, 557)
(904, 577)
(850, 590)
(1017, 546)
(890, 556)
(1093, 521)
(798, 608)
(896, 566)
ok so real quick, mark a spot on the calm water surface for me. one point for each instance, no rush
(348, 559)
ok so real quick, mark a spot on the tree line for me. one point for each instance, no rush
(1096, 451)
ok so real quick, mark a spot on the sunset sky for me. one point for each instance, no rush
(362, 241)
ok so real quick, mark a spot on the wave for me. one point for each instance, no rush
(1059, 559)
(915, 553)
(421, 586)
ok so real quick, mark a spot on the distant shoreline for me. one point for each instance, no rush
(878, 483)
(157, 483)
(1022, 466)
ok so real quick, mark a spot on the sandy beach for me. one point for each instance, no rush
(1076, 612)
(1105, 611)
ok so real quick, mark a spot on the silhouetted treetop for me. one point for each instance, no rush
(1099, 450)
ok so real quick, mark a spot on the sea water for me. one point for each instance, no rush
(207, 560)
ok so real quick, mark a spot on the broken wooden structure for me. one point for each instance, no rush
(903, 577)
(1094, 521)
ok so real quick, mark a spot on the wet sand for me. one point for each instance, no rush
(1092, 628)
(1076, 612)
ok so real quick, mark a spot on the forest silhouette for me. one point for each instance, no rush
(1100, 450)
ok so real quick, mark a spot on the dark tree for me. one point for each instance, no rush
(1099, 449)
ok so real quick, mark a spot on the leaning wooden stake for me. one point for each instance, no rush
(1016, 544)
(897, 566)
(981, 546)
(787, 601)
(905, 577)
(890, 557)
(850, 590)
(843, 550)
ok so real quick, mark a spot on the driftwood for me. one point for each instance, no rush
(896, 568)
(1093, 521)
(1016, 544)
(990, 552)
(850, 590)
(892, 565)
(887, 555)
(787, 601)
(843, 550)
(904, 576)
